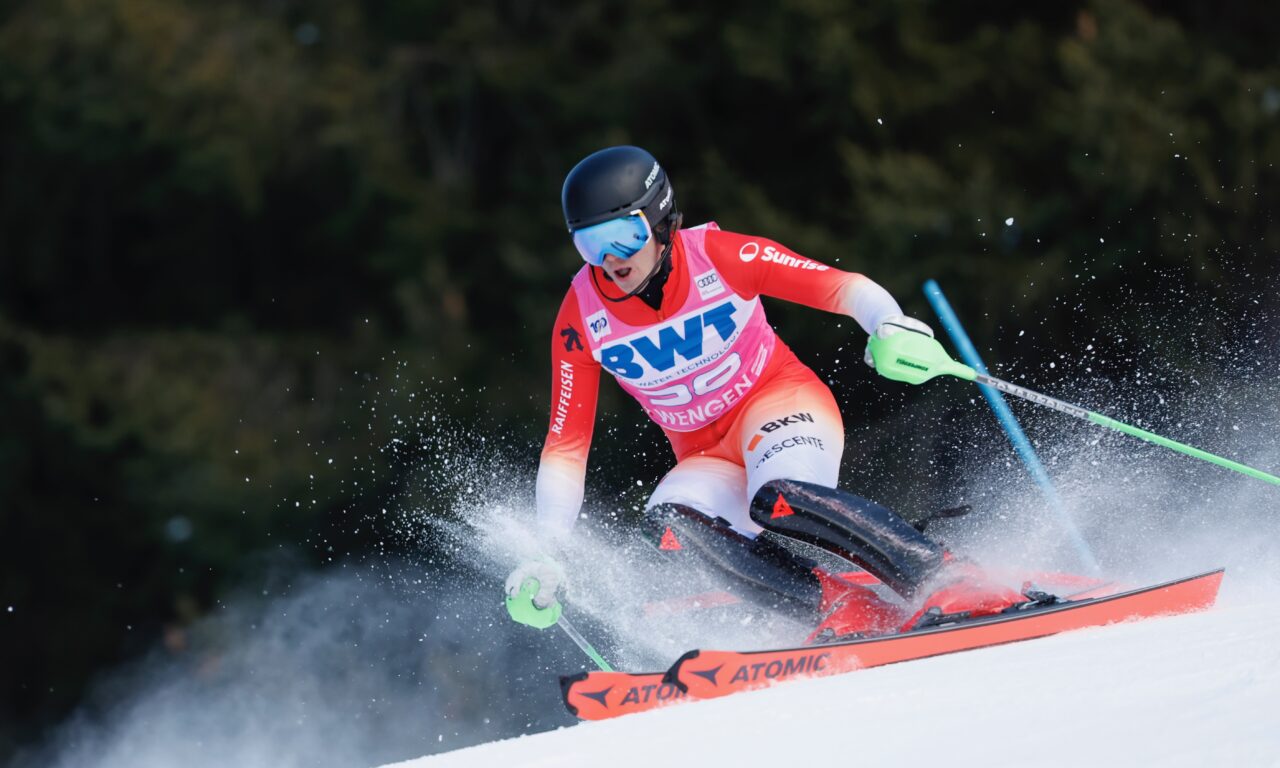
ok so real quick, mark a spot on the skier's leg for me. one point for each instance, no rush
(852, 527)
(792, 440)
(791, 430)
(771, 574)
(910, 563)
(689, 513)
(714, 486)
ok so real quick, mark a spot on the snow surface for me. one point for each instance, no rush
(1194, 690)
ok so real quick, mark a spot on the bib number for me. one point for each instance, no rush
(703, 384)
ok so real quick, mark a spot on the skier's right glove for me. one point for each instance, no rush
(534, 590)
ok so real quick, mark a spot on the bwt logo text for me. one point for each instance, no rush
(660, 347)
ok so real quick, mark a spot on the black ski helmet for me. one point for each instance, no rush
(615, 181)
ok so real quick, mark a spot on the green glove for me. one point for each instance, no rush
(913, 358)
(521, 607)
(534, 590)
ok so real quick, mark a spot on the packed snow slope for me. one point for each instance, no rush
(1194, 690)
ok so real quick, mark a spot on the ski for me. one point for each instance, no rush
(710, 674)
(703, 674)
(602, 695)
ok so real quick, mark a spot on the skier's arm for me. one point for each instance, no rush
(575, 380)
(758, 266)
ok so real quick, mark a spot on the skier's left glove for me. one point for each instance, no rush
(891, 325)
(534, 590)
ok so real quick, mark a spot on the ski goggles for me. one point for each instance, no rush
(623, 237)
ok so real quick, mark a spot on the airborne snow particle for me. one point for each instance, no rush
(1008, 222)
(178, 528)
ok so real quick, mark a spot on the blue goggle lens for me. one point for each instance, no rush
(623, 237)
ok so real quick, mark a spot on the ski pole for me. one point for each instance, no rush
(915, 358)
(522, 609)
(582, 643)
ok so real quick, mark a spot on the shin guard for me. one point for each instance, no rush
(767, 570)
(851, 527)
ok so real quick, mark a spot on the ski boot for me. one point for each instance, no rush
(852, 610)
(961, 591)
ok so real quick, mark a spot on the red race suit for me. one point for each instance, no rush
(772, 418)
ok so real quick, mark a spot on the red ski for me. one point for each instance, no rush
(602, 695)
(710, 674)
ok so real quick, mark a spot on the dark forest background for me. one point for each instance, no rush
(229, 226)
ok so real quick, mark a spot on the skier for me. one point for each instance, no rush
(674, 314)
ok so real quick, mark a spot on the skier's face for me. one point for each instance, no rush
(628, 274)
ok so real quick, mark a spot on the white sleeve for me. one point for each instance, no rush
(561, 485)
(870, 304)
